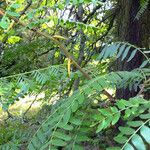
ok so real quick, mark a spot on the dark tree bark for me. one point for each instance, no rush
(134, 31)
(79, 17)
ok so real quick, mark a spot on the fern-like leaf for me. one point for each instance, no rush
(143, 7)
(61, 117)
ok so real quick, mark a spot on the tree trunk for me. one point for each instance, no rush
(134, 31)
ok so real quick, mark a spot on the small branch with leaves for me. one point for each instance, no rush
(62, 48)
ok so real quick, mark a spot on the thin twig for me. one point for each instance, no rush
(24, 114)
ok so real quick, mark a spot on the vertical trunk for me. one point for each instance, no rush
(135, 32)
(79, 17)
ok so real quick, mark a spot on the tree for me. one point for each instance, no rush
(135, 31)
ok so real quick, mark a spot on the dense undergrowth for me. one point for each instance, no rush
(59, 72)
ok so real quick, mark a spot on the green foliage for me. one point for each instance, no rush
(123, 51)
(136, 133)
(22, 84)
(143, 7)
(72, 121)
(24, 56)
(11, 138)
(65, 127)
(60, 118)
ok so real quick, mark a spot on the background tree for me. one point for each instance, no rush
(135, 31)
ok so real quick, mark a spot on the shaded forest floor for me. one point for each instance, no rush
(19, 128)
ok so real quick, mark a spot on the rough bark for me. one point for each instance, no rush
(79, 17)
(136, 32)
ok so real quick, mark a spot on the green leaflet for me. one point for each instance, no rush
(58, 142)
(105, 112)
(125, 53)
(82, 138)
(121, 105)
(62, 136)
(115, 119)
(144, 64)
(104, 54)
(81, 98)
(121, 139)
(110, 51)
(101, 126)
(135, 123)
(138, 142)
(132, 55)
(126, 130)
(145, 116)
(114, 109)
(65, 127)
(76, 121)
(114, 49)
(128, 147)
(128, 113)
(67, 116)
(74, 106)
(121, 49)
(145, 132)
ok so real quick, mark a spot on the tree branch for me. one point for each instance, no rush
(64, 50)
